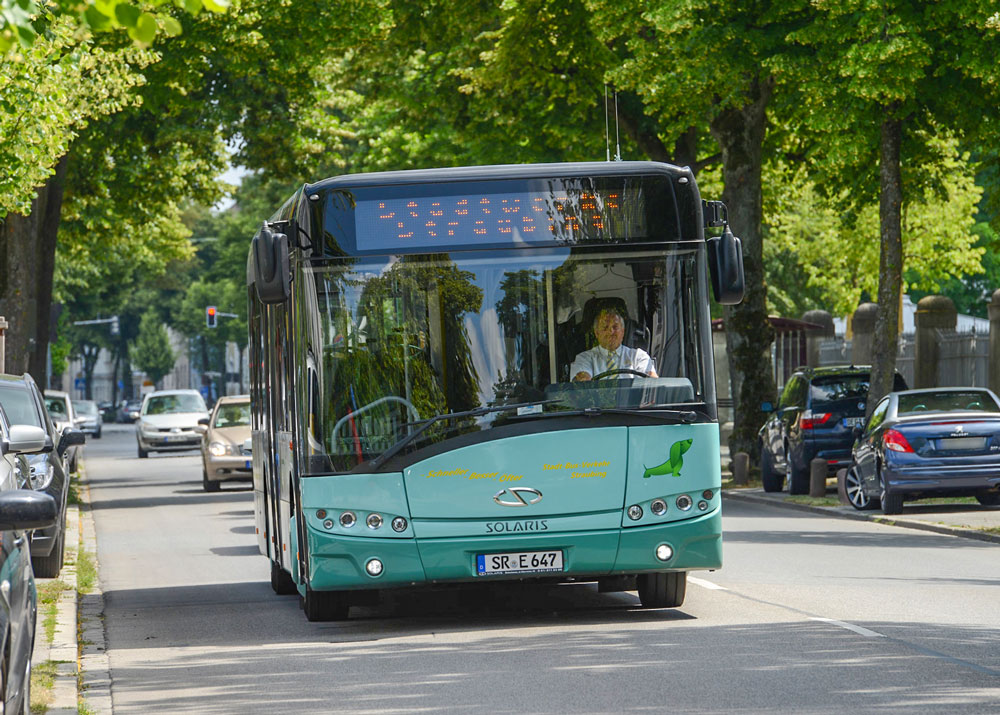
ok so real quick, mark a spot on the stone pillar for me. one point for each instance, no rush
(993, 379)
(814, 338)
(934, 313)
(863, 326)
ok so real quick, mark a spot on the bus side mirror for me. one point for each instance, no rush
(725, 263)
(271, 267)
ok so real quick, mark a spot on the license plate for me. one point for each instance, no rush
(519, 562)
(854, 422)
(962, 443)
(176, 437)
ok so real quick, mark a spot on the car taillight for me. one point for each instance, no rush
(810, 420)
(895, 441)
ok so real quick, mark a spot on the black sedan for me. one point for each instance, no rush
(923, 443)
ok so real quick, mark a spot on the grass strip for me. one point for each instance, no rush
(86, 571)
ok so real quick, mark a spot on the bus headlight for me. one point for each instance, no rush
(373, 567)
(347, 519)
(635, 512)
(684, 502)
(658, 507)
(217, 449)
(374, 521)
(399, 524)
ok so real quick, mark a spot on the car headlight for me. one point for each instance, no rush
(41, 475)
(217, 449)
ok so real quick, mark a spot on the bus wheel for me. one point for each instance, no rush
(281, 581)
(325, 605)
(662, 590)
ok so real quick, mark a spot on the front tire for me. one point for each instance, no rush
(772, 481)
(856, 493)
(142, 453)
(325, 605)
(281, 581)
(50, 566)
(207, 484)
(662, 590)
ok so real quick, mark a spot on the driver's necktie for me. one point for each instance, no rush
(612, 361)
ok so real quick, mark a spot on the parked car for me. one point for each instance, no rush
(168, 421)
(222, 453)
(88, 417)
(49, 472)
(60, 409)
(128, 411)
(815, 418)
(107, 410)
(931, 442)
(20, 511)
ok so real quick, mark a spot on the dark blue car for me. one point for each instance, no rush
(921, 443)
(815, 418)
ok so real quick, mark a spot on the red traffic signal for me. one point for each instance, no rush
(210, 316)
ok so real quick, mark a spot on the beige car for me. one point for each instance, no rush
(222, 452)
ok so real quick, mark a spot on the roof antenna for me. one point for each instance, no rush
(607, 134)
(618, 149)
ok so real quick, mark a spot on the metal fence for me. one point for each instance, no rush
(963, 358)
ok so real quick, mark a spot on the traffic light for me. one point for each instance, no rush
(211, 319)
(114, 325)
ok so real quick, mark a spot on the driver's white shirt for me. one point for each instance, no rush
(598, 360)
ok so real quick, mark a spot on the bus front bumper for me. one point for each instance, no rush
(340, 562)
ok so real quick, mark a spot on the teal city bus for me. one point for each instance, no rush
(421, 412)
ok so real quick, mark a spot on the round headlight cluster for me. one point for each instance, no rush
(399, 524)
(658, 507)
(635, 512)
(348, 519)
(684, 502)
(374, 521)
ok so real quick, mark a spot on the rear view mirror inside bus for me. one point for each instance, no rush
(725, 262)
(271, 271)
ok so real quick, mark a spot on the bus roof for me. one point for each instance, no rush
(500, 171)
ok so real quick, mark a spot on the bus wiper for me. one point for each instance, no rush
(446, 416)
(673, 416)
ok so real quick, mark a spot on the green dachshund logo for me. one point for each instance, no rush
(673, 465)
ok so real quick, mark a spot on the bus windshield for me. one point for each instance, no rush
(407, 339)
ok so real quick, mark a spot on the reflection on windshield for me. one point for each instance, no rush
(166, 404)
(398, 341)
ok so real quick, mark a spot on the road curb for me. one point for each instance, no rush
(62, 650)
(95, 666)
(860, 516)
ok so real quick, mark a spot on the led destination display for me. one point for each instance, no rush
(525, 217)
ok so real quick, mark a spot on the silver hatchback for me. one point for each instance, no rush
(168, 421)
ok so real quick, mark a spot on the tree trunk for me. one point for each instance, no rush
(90, 354)
(740, 135)
(890, 265)
(46, 251)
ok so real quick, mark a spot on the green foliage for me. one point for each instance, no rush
(22, 22)
(151, 352)
(61, 83)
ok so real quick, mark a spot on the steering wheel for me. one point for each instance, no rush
(622, 371)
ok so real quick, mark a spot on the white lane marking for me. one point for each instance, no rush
(849, 626)
(706, 584)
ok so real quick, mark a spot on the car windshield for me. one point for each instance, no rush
(947, 401)
(19, 406)
(170, 404)
(56, 407)
(85, 407)
(398, 341)
(233, 415)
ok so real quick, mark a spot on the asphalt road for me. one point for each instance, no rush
(809, 614)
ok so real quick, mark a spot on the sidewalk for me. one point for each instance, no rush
(971, 521)
(81, 681)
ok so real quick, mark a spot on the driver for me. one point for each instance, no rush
(609, 353)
